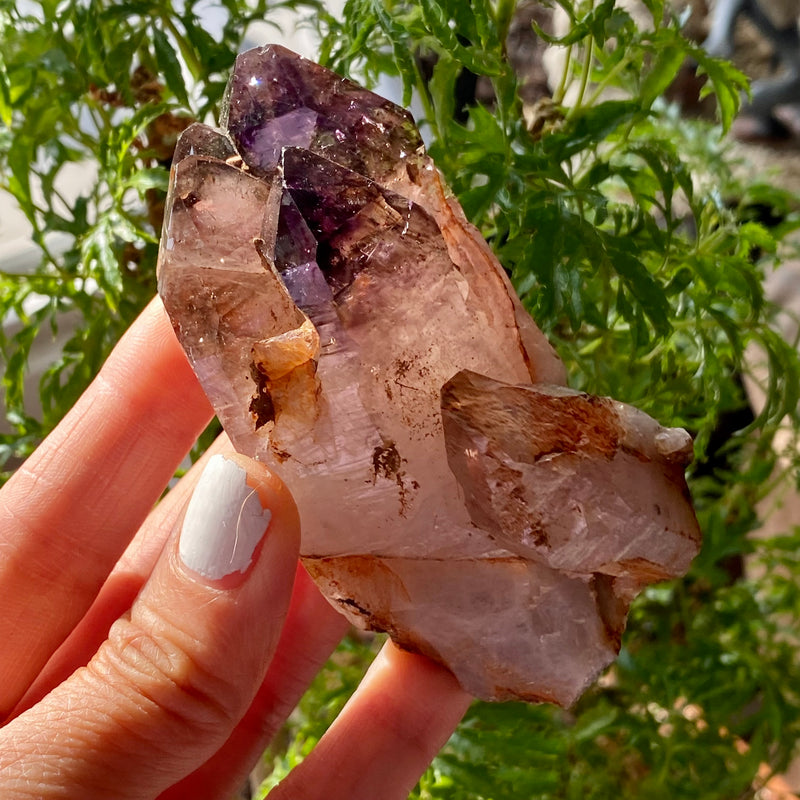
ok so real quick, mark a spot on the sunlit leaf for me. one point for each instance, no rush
(170, 65)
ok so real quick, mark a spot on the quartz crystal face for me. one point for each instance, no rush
(355, 332)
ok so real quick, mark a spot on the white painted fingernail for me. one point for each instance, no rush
(224, 521)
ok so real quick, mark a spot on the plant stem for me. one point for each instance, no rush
(607, 81)
(587, 67)
(558, 95)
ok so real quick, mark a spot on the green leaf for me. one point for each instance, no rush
(589, 126)
(213, 55)
(19, 158)
(643, 286)
(662, 73)
(152, 178)
(403, 58)
(92, 41)
(6, 109)
(442, 90)
(100, 262)
(440, 24)
(725, 81)
(592, 723)
(169, 65)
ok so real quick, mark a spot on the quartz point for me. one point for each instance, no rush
(355, 332)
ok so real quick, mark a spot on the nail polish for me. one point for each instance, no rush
(224, 521)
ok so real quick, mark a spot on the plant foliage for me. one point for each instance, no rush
(626, 235)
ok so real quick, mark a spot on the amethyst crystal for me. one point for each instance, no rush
(355, 332)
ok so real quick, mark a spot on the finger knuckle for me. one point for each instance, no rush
(160, 665)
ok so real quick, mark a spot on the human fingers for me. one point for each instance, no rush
(311, 632)
(71, 509)
(313, 629)
(386, 736)
(179, 671)
(121, 587)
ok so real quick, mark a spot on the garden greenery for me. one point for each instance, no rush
(626, 235)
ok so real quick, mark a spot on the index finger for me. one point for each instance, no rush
(68, 513)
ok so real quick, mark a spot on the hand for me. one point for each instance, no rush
(139, 659)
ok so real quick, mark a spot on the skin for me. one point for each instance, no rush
(122, 673)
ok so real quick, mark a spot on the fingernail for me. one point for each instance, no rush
(224, 521)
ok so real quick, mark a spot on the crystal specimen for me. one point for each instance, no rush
(354, 331)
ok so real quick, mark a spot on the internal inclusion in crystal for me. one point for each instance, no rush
(356, 333)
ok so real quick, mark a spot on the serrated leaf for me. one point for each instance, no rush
(403, 58)
(662, 73)
(150, 178)
(487, 131)
(653, 156)
(438, 23)
(589, 126)
(87, 21)
(725, 81)
(577, 32)
(442, 91)
(442, 26)
(100, 262)
(19, 158)
(169, 65)
(213, 55)
(597, 173)
(643, 287)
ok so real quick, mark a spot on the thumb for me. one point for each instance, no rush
(178, 672)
